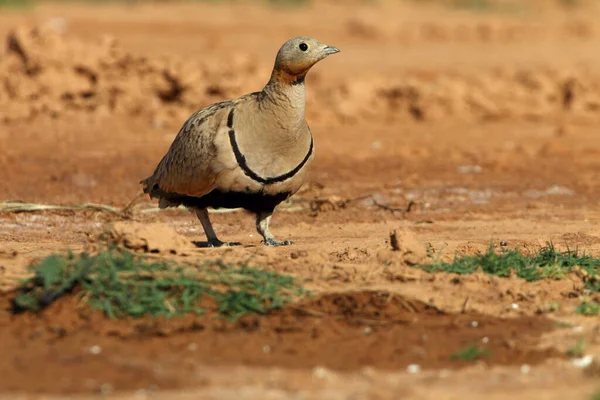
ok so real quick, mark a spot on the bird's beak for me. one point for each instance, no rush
(331, 50)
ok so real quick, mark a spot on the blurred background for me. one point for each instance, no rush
(452, 104)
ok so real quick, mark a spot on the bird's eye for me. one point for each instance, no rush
(303, 46)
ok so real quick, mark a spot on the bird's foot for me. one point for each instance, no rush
(218, 243)
(274, 242)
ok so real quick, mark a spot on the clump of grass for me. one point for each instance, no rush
(480, 5)
(123, 284)
(23, 4)
(577, 350)
(547, 263)
(470, 353)
(562, 325)
(588, 308)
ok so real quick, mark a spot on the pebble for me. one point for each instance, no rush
(474, 324)
(106, 389)
(95, 350)
(413, 369)
(320, 372)
(444, 373)
(582, 362)
(525, 369)
(469, 169)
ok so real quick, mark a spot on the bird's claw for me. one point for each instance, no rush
(274, 242)
(218, 243)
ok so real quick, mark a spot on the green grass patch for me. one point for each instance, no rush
(577, 350)
(123, 284)
(498, 6)
(563, 325)
(16, 4)
(547, 263)
(470, 353)
(588, 308)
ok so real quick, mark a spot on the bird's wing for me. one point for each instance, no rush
(190, 166)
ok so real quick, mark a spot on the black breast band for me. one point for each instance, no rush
(241, 159)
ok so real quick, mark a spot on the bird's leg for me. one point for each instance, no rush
(262, 226)
(211, 236)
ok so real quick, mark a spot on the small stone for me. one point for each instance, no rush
(504, 243)
(368, 330)
(474, 324)
(514, 306)
(468, 169)
(106, 389)
(413, 369)
(266, 349)
(158, 124)
(367, 371)
(582, 362)
(485, 340)
(320, 372)
(525, 369)
(444, 373)
(95, 350)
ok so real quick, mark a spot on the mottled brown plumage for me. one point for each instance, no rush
(251, 152)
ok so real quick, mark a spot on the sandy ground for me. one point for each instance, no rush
(485, 122)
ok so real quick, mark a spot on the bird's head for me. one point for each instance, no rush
(299, 54)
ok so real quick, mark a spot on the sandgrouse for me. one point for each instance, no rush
(252, 152)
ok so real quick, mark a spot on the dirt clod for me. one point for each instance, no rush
(406, 247)
(149, 238)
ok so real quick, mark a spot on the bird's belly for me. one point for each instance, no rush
(251, 201)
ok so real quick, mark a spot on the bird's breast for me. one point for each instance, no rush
(270, 159)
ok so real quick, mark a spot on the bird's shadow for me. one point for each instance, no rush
(206, 245)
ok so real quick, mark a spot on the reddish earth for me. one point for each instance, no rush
(484, 122)
(337, 331)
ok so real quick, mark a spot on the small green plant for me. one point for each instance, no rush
(588, 308)
(547, 263)
(562, 325)
(470, 353)
(16, 4)
(596, 396)
(480, 5)
(122, 284)
(578, 349)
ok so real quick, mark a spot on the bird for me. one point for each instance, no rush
(251, 152)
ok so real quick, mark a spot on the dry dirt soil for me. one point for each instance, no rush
(457, 127)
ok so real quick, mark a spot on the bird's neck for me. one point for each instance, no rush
(286, 97)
